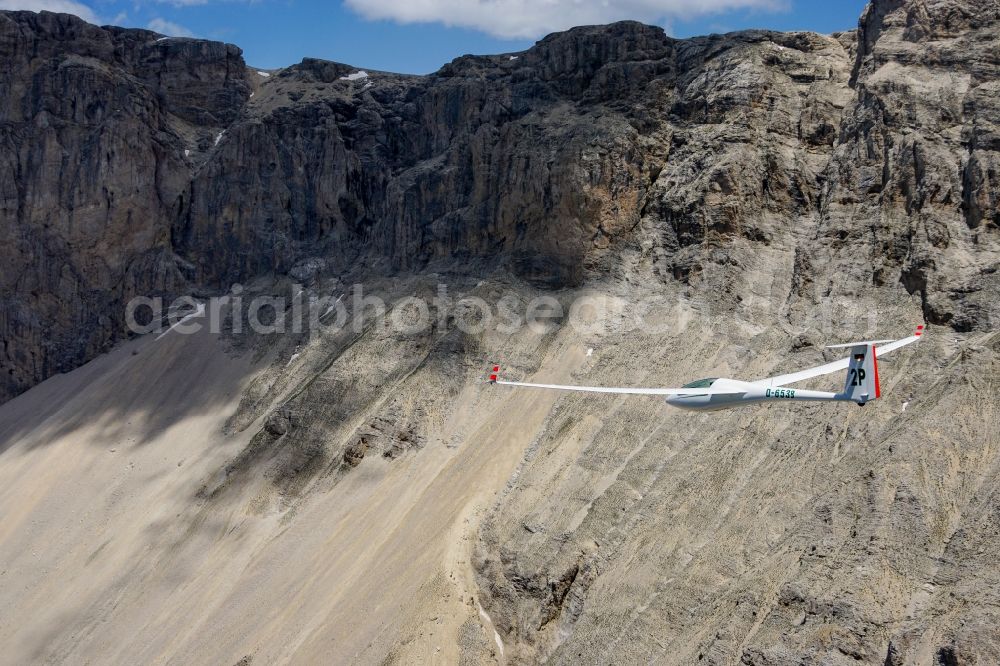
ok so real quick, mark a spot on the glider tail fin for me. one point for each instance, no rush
(862, 375)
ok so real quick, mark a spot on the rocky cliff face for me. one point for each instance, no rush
(95, 123)
(136, 164)
(918, 159)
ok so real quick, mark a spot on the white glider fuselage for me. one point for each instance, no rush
(727, 393)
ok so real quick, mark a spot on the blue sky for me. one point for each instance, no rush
(418, 37)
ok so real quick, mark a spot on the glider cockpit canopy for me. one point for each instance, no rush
(701, 383)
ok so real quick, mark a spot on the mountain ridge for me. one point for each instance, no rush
(407, 173)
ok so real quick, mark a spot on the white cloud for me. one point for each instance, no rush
(169, 28)
(61, 6)
(521, 19)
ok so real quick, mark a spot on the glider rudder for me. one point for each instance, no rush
(862, 385)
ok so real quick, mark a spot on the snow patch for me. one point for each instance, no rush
(266, 75)
(187, 152)
(356, 76)
(199, 311)
(218, 137)
(484, 616)
(332, 306)
(514, 57)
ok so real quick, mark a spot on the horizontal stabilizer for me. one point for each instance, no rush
(863, 343)
(868, 343)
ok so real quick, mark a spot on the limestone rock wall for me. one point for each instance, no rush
(137, 164)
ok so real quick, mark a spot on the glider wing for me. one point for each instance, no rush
(627, 390)
(837, 366)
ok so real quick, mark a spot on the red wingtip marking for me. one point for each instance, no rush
(493, 378)
(878, 389)
(496, 368)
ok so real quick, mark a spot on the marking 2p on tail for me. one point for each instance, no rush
(862, 384)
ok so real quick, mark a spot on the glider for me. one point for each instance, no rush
(861, 385)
